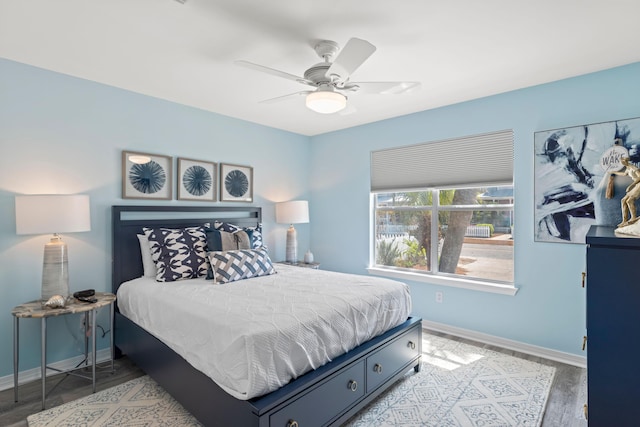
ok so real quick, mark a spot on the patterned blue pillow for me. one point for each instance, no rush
(256, 236)
(178, 252)
(229, 266)
(255, 233)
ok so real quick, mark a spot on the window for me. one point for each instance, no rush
(443, 212)
(466, 233)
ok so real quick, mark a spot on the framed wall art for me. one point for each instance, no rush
(196, 180)
(146, 176)
(236, 183)
(574, 179)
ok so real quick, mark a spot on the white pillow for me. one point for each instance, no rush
(148, 265)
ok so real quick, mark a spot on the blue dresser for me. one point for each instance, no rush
(613, 324)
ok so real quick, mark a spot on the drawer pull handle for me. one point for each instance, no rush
(377, 368)
(411, 345)
(353, 385)
(584, 342)
(584, 276)
(292, 423)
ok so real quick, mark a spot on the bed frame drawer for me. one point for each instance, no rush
(387, 361)
(319, 405)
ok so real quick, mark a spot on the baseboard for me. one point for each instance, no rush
(546, 353)
(29, 375)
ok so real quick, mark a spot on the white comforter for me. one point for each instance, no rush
(253, 336)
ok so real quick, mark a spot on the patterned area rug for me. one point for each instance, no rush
(139, 402)
(462, 385)
(458, 385)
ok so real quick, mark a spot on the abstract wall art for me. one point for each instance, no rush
(146, 176)
(196, 180)
(236, 183)
(572, 171)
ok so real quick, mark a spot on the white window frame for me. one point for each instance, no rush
(434, 276)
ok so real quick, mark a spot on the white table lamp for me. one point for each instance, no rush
(46, 214)
(294, 212)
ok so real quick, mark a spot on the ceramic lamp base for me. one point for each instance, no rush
(292, 245)
(55, 271)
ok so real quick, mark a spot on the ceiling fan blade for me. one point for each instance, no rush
(273, 72)
(383, 88)
(352, 55)
(286, 97)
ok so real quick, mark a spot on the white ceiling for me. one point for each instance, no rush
(458, 49)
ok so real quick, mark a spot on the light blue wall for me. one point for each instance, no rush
(60, 134)
(549, 308)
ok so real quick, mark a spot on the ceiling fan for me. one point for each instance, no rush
(332, 78)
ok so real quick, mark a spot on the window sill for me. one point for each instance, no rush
(475, 285)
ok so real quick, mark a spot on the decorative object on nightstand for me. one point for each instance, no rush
(293, 212)
(308, 257)
(56, 301)
(45, 214)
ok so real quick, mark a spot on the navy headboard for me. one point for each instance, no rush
(128, 221)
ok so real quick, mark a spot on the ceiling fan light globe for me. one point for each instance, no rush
(325, 102)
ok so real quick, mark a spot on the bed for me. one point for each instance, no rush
(327, 394)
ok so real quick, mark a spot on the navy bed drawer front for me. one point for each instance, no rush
(386, 362)
(319, 405)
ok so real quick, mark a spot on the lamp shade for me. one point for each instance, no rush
(47, 214)
(294, 212)
(326, 102)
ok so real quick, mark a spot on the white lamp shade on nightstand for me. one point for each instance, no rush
(53, 214)
(293, 212)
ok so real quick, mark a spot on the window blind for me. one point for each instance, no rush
(485, 159)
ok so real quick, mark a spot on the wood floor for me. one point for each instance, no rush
(560, 410)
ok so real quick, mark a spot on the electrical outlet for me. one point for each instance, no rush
(439, 297)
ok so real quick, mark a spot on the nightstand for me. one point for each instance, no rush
(37, 310)
(314, 265)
